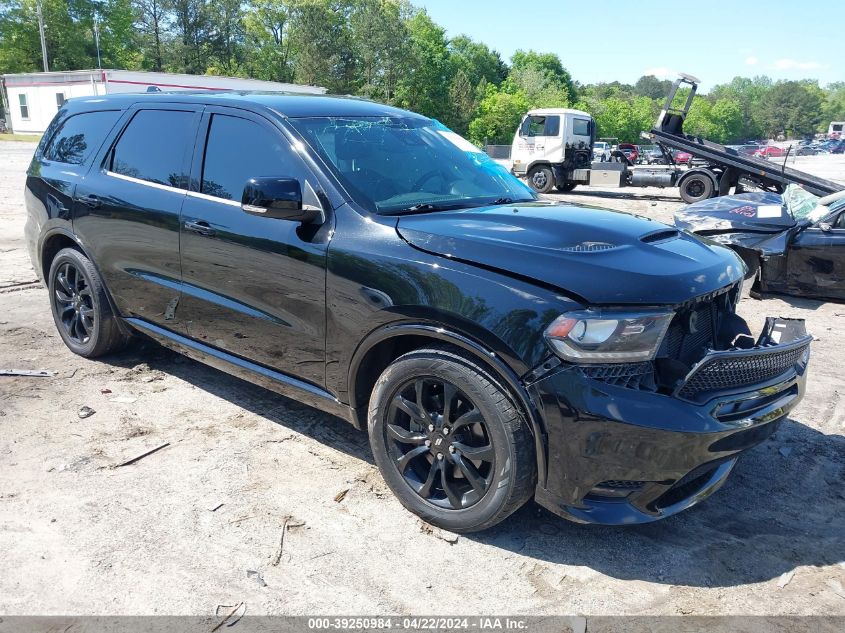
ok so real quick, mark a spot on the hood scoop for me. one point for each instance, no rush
(664, 235)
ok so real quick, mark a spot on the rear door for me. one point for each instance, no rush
(65, 159)
(816, 260)
(253, 286)
(128, 210)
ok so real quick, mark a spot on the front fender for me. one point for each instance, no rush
(503, 372)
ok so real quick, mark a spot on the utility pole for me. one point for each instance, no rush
(43, 41)
(97, 39)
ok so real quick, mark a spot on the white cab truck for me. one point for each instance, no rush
(553, 147)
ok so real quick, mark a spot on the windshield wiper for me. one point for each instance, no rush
(422, 207)
(498, 201)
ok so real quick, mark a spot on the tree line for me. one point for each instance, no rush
(389, 51)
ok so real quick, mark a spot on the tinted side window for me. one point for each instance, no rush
(552, 126)
(79, 136)
(237, 150)
(153, 147)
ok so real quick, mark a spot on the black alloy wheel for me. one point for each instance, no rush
(440, 443)
(80, 306)
(450, 441)
(73, 302)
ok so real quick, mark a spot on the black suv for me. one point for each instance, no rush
(371, 263)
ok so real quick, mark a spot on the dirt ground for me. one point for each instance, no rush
(199, 523)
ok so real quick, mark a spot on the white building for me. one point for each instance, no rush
(31, 100)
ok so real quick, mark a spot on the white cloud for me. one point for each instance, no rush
(791, 64)
(661, 72)
(751, 60)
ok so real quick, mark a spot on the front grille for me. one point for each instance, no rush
(630, 375)
(725, 372)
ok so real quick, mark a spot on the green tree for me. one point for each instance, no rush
(268, 42)
(748, 93)
(192, 29)
(652, 87)
(621, 118)
(380, 37)
(322, 42)
(477, 61)
(499, 113)
(833, 108)
(791, 108)
(226, 37)
(547, 63)
(427, 71)
(152, 23)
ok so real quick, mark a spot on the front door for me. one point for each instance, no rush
(816, 260)
(253, 286)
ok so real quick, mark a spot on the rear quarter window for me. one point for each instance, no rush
(153, 147)
(79, 136)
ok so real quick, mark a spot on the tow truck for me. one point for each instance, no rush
(553, 147)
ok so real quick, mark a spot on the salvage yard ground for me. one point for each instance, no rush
(199, 523)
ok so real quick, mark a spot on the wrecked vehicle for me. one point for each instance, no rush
(792, 244)
(369, 262)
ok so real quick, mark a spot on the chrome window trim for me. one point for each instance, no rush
(205, 196)
(148, 183)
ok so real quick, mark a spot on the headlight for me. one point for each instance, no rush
(596, 336)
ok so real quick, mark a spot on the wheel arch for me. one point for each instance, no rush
(700, 171)
(52, 242)
(383, 346)
(59, 238)
(539, 163)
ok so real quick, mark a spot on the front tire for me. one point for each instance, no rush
(449, 442)
(541, 178)
(80, 307)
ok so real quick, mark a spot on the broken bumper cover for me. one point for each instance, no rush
(619, 455)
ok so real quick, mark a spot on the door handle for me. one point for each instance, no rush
(90, 201)
(198, 226)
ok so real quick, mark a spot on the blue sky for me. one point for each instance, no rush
(604, 40)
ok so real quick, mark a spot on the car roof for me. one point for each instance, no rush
(290, 105)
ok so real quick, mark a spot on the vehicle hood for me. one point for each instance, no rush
(746, 212)
(598, 256)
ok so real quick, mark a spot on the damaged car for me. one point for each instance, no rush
(371, 263)
(792, 244)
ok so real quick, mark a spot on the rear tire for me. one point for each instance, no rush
(541, 178)
(449, 441)
(696, 188)
(81, 310)
(567, 187)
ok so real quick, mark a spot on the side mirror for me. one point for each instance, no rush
(280, 198)
(824, 226)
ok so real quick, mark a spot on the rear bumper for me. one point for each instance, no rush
(618, 455)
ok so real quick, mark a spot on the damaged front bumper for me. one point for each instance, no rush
(622, 455)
